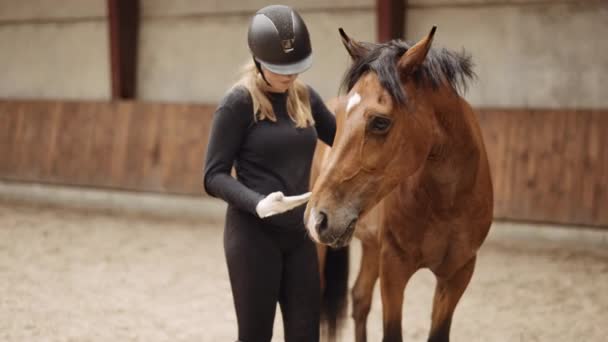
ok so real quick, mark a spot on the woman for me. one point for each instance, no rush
(267, 127)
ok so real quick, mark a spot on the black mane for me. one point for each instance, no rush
(438, 67)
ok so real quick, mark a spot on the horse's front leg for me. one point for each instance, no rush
(447, 294)
(395, 271)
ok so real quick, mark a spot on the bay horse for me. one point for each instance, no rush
(408, 174)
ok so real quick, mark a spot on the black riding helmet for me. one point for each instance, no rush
(279, 40)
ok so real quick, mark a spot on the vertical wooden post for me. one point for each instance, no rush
(123, 24)
(390, 19)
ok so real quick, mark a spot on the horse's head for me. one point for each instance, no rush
(385, 133)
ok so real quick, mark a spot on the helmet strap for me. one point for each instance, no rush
(259, 67)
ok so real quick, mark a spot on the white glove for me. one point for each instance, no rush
(276, 203)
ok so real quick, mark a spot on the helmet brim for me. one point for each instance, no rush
(289, 69)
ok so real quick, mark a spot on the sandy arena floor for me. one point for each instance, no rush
(75, 276)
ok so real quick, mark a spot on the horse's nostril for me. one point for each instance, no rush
(322, 224)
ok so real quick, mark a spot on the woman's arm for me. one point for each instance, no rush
(325, 120)
(229, 126)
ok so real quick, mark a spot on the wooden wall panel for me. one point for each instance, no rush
(182, 148)
(547, 165)
(72, 156)
(105, 145)
(123, 145)
(7, 129)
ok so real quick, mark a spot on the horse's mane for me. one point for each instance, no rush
(439, 66)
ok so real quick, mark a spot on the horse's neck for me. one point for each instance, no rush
(454, 157)
(454, 132)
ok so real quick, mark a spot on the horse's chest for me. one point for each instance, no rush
(426, 242)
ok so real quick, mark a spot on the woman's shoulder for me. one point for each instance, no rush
(237, 97)
(314, 95)
(315, 98)
(236, 105)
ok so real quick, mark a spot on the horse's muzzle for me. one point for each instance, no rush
(346, 237)
(335, 231)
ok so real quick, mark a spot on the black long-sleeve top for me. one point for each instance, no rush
(267, 156)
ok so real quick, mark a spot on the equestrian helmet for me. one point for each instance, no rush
(279, 40)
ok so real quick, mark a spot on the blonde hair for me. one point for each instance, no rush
(298, 98)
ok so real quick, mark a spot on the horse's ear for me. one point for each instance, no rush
(415, 55)
(355, 49)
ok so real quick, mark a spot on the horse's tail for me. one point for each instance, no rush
(335, 294)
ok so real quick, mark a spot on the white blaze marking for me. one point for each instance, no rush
(312, 223)
(353, 101)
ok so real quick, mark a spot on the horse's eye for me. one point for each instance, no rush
(379, 125)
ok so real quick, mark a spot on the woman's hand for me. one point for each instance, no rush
(276, 203)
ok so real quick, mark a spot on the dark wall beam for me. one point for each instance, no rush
(390, 19)
(123, 24)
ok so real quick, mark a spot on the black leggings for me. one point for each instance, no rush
(269, 264)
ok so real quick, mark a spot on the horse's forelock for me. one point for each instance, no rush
(381, 60)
